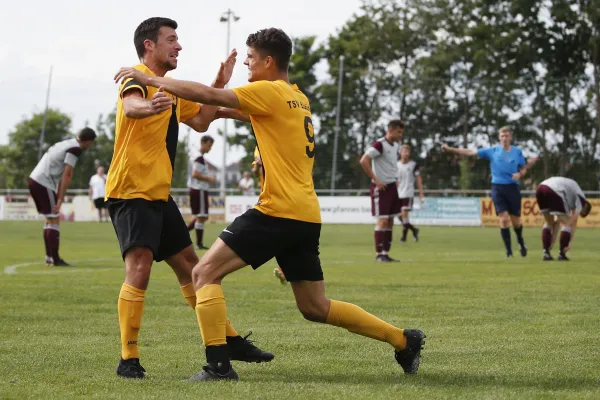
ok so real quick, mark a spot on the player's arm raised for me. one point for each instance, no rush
(462, 152)
(201, 121)
(223, 112)
(192, 91)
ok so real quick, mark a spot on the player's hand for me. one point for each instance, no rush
(160, 102)
(130, 72)
(516, 176)
(226, 70)
(380, 185)
(444, 147)
(422, 198)
(56, 208)
(212, 179)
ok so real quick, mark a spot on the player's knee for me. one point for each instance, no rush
(314, 312)
(313, 315)
(206, 272)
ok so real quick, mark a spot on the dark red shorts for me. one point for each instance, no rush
(406, 203)
(549, 201)
(385, 203)
(44, 198)
(199, 202)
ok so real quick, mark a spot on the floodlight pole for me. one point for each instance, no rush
(43, 133)
(226, 17)
(337, 125)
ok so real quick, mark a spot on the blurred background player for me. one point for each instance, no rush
(199, 182)
(408, 173)
(561, 201)
(508, 166)
(96, 193)
(257, 168)
(246, 184)
(48, 184)
(380, 164)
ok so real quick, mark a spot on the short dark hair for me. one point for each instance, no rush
(395, 123)
(148, 29)
(206, 139)
(272, 42)
(86, 134)
(587, 208)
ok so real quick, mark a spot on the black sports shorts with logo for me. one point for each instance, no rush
(157, 225)
(256, 238)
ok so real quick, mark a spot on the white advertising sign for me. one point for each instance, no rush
(357, 210)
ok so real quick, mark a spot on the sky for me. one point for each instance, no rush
(86, 42)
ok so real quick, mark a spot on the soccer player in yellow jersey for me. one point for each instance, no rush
(286, 221)
(147, 222)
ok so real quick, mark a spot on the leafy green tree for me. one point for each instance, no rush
(20, 156)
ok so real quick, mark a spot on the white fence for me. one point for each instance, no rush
(471, 209)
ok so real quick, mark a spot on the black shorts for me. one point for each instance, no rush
(256, 238)
(99, 203)
(507, 198)
(157, 225)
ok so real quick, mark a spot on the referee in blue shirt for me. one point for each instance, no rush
(508, 166)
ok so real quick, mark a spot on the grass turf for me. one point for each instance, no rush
(496, 327)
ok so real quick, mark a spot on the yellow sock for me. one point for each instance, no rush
(357, 320)
(229, 331)
(131, 307)
(190, 297)
(212, 315)
(190, 294)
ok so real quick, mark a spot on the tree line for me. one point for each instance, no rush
(454, 71)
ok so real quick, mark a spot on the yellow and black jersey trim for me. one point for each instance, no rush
(133, 84)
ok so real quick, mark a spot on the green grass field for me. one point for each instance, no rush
(497, 328)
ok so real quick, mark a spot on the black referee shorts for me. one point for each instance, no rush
(256, 238)
(157, 225)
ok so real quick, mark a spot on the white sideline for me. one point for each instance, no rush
(12, 269)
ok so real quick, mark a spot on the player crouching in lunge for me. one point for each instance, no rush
(561, 201)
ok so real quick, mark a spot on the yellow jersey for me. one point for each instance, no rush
(282, 123)
(144, 151)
